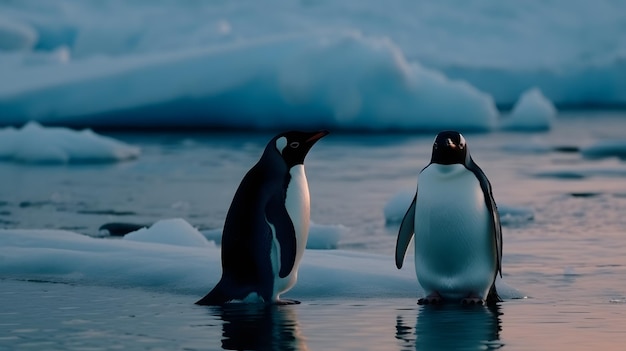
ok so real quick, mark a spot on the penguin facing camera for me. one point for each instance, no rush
(455, 221)
(267, 225)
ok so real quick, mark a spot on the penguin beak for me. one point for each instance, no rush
(317, 136)
(450, 144)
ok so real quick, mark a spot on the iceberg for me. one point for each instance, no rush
(417, 65)
(532, 112)
(346, 81)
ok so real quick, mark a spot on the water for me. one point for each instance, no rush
(569, 259)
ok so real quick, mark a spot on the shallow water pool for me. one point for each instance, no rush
(40, 316)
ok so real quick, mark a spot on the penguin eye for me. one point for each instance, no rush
(294, 144)
(461, 142)
(435, 146)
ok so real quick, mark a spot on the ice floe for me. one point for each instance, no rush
(321, 236)
(34, 143)
(63, 256)
(174, 231)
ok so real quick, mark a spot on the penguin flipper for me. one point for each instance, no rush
(405, 234)
(278, 217)
(485, 186)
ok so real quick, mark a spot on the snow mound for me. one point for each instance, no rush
(341, 81)
(174, 231)
(34, 143)
(321, 236)
(396, 208)
(532, 112)
(62, 256)
(325, 236)
(603, 149)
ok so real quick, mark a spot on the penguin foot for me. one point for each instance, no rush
(432, 299)
(283, 302)
(472, 300)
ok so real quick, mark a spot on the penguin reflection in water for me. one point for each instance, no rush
(267, 225)
(458, 238)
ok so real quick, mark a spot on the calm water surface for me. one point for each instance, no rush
(570, 259)
(45, 316)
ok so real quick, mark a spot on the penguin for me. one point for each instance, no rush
(458, 236)
(267, 225)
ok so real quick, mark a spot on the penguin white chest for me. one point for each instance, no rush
(297, 203)
(454, 240)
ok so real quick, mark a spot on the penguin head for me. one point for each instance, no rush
(450, 148)
(293, 146)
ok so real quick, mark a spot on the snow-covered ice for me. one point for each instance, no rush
(71, 257)
(532, 112)
(34, 143)
(321, 236)
(63, 256)
(173, 231)
(415, 65)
